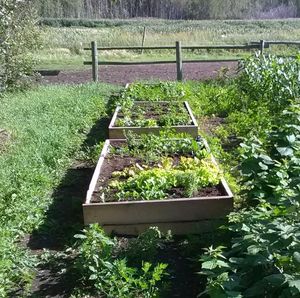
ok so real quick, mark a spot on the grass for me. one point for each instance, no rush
(63, 46)
(47, 127)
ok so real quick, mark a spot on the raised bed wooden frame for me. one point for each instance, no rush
(118, 132)
(181, 216)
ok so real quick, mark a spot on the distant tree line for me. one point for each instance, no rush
(169, 9)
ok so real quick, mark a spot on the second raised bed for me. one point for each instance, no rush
(118, 132)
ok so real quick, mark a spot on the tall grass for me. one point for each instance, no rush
(63, 46)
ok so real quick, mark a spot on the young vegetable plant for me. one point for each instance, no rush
(161, 168)
(149, 114)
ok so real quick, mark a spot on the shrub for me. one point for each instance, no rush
(103, 271)
(263, 258)
(270, 81)
(19, 39)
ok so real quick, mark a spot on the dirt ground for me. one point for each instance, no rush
(127, 74)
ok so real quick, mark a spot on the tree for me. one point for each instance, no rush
(19, 39)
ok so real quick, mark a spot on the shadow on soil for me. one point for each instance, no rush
(63, 220)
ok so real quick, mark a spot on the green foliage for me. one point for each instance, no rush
(205, 98)
(100, 267)
(157, 92)
(156, 183)
(271, 81)
(48, 126)
(146, 246)
(152, 114)
(153, 147)
(159, 172)
(19, 38)
(262, 260)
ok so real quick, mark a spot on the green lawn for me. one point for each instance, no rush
(47, 127)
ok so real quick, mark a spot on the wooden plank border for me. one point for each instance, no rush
(132, 217)
(119, 132)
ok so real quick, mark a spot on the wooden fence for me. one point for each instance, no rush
(261, 45)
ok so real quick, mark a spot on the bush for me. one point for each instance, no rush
(270, 81)
(19, 39)
(263, 258)
(102, 271)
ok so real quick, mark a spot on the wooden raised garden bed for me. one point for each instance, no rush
(153, 121)
(179, 214)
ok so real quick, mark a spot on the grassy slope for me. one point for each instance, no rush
(48, 126)
(63, 47)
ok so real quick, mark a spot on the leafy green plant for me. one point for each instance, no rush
(159, 174)
(101, 269)
(19, 37)
(152, 114)
(270, 80)
(153, 147)
(262, 260)
(150, 183)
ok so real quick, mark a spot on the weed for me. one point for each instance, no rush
(100, 268)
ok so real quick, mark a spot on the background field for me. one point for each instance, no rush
(63, 46)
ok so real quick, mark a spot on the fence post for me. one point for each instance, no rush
(261, 46)
(179, 61)
(143, 40)
(94, 61)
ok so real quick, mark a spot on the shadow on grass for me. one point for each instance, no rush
(63, 220)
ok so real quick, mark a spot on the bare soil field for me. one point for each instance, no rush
(121, 75)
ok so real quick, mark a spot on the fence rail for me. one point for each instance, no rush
(201, 47)
(158, 62)
(261, 45)
(296, 43)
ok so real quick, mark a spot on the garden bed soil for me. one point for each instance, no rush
(117, 132)
(210, 124)
(181, 215)
(118, 163)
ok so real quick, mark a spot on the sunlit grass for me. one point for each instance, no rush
(64, 47)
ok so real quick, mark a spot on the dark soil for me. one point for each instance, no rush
(209, 124)
(114, 163)
(63, 220)
(183, 277)
(4, 138)
(122, 75)
(156, 111)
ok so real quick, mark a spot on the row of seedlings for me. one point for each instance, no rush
(148, 175)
